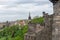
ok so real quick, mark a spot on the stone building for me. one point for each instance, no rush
(56, 20)
(37, 31)
(51, 28)
(33, 31)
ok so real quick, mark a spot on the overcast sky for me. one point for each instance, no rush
(19, 9)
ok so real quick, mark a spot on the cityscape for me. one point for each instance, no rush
(25, 20)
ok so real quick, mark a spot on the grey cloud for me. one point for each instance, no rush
(18, 2)
(31, 1)
(23, 13)
(9, 12)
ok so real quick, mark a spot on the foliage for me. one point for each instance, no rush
(7, 33)
(38, 20)
(17, 32)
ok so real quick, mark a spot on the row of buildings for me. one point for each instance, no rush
(11, 23)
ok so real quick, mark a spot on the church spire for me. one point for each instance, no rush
(29, 18)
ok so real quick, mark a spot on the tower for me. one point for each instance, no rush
(7, 23)
(29, 18)
(56, 20)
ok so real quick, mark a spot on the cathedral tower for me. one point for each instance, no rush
(29, 18)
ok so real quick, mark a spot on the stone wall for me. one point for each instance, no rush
(56, 21)
(43, 32)
(48, 20)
